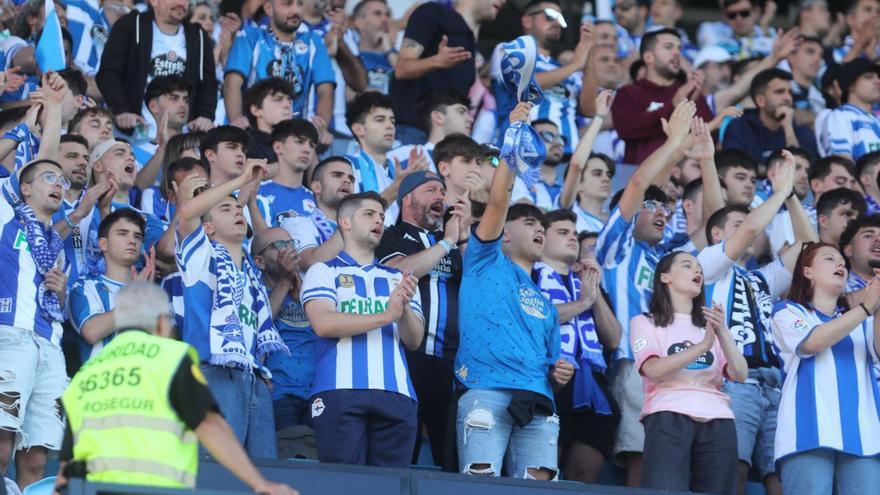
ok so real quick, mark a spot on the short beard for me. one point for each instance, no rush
(666, 72)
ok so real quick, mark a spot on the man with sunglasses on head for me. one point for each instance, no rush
(543, 20)
(274, 253)
(632, 15)
(628, 249)
(739, 33)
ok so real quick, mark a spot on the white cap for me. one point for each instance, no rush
(712, 54)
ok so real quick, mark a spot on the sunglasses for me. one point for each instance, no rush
(624, 6)
(651, 206)
(53, 178)
(552, 15)
(738, 13)
(551, 138)
(279, 245)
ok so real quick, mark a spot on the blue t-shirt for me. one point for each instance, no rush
(256, 54)
(509, 330)
(278, 202)
(294, 374)
(379, 70)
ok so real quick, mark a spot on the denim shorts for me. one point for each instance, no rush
(755, 404)
(33, 370)
(244, 399)
(487, 435)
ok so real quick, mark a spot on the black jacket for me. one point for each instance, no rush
(125, 64)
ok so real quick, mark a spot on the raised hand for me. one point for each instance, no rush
(400, 297)
(585, 43)
(786, 43)
(591, 276)
(702, 145)
(872, 295)
(54, 87)
(520, 112)
(128, 120)
(186, 190)
(678, 126)
(14, 80)
(288, 262)
(783, 180)
(603, 102)
(162, 131)
(450, 56)
(200, 124)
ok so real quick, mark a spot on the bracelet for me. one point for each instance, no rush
(445, 245)
(865, 308)
(790, 194)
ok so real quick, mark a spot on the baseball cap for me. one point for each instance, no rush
(851, 71)
(416, 179)
(712, 53)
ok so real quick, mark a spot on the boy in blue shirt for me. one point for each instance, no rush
(508, 358)
(363, 403)
(294, 142)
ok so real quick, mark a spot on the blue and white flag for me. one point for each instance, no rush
(522, 147)
(50, 48)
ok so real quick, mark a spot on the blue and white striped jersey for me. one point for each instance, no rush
(372, 176)
(759, 44)
(854, 282)
(628, 273)
(829, 400)
(153, 202)
(278, 202)
(19, 279)
(853, 131)
(560, 102)
(173, 286)
(256, 54)
(197, 261)
(401, 153)
(747, 297)
(91, 297)
(373, 360)
(305, 231)
(840, 52)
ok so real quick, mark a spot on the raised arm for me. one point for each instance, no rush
(678, 128)
(758, 219)
(582, 150)
(803, 231)
(586, 39)
(492, 223)
(54, 89)
(189, 214)
(703, 151)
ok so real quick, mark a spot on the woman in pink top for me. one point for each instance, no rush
(683, 352)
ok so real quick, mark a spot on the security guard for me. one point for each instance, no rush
(137, 410)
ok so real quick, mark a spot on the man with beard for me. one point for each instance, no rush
(279, 50)
(375, 48)
(639, 108)
(316, 235)
(419, 244)
(546, 191)
(143, 46)
(543, 20)
(770, 126)
(438, 47)
(364, 314)
(860, 244)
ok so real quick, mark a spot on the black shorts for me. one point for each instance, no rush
(584, 425)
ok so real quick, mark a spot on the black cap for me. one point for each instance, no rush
(851, 71)
(416, 179)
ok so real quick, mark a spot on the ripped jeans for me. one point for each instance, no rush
(487, 436)
(32, 379)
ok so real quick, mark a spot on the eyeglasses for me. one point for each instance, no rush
(651, 206)
(624, 6)
(493, 160)
(279, 245)
(733, 14)
(552, 15)
(550, 138)
(53, 178)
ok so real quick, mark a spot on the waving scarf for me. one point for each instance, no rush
(45, 246)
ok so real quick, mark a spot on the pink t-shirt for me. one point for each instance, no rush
(695, 390)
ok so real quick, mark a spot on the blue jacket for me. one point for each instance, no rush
(747, 133)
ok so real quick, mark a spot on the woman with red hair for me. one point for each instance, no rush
(828, 433)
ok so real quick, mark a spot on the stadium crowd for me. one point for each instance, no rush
(318, 186)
